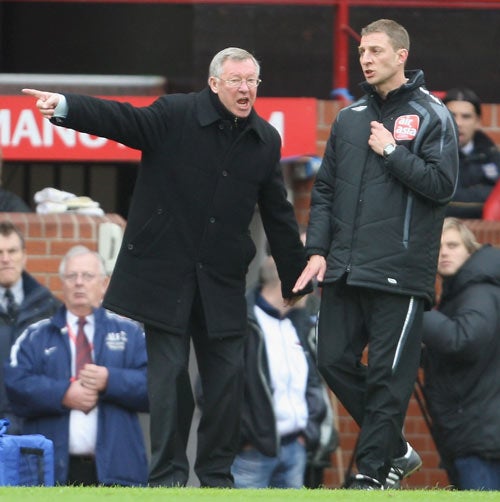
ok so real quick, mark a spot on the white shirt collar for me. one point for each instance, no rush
(72, 320)
(467, 149)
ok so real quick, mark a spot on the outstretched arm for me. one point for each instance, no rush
(46, 102)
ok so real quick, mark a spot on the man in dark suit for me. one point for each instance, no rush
(207, 160)
(23, 301)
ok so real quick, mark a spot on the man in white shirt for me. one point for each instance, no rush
(90, 413)
(283, 405)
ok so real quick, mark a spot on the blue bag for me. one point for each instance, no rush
(26, 460)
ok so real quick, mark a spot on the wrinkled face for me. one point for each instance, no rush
(468, 121)
(83, 284)
(382, 65)
(452, 254)
(12, 259)
(240, 99)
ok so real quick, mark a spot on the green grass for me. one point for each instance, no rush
(70, 494)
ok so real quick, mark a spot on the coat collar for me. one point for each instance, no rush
(415, 78)
(207, 114)
(59, 318)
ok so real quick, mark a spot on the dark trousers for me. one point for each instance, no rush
(220, 364)
(376, 393)
(82, 471)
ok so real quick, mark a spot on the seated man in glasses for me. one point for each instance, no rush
(79, 378)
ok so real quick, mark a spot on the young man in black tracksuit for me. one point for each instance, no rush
(377, 209)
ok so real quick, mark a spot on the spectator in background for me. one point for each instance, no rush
(283, 401)
(319, 458)
(479, 158)
(10, 202)
(23, 301)
(462, 360)
(79, 378)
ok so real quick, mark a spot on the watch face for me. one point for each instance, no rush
(389, 149)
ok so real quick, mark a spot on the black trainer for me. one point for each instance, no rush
(363, 482)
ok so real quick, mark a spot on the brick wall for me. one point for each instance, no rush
(49, 237)
(415, 426)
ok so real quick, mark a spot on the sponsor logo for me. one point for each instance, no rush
(49, 350)
(116, 341)
(359, 108)
(406, 127)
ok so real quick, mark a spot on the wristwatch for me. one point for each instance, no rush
(388, 149)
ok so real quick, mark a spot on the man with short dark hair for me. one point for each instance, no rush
(377, 208)
(23, 301)
(479, 157)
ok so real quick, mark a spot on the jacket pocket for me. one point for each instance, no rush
(143, 240)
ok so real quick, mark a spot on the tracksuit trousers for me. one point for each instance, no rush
(374, 386)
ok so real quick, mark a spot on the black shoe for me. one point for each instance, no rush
(363, 482)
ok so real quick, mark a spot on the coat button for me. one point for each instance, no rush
(224, 173)
(130, 247)
(221, 126)
(212, 220)
(159, 210)
(200, 265)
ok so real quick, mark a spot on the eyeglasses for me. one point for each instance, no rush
(73, 277)
(236, 82)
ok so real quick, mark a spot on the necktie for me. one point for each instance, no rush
(83, 349)
(12, 307)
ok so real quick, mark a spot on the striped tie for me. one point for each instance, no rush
(83, 349)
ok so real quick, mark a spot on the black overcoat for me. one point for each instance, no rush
(194, 199)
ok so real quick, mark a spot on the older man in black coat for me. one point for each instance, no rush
(207, 160)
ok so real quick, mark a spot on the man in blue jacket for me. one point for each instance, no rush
(90, 413)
